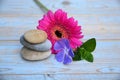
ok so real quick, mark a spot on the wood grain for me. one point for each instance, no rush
(79, 7)
(89, 31)
(12, 63)
(99, 19)
(62, 77)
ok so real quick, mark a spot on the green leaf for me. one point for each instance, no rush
(89, 45)
(87, 56)
(84, 51)
(77, 56)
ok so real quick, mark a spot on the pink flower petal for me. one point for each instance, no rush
(77, 42)
(60, 19)
(51, 15)
(58, 14)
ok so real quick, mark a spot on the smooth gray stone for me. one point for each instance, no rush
(29, 54)
(45, 46)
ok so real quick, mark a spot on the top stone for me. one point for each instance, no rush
(35, 36)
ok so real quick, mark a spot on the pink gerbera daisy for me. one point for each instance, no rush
(57, 25)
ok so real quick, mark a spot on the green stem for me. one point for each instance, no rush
(41, 5)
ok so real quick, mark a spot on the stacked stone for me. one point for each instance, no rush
(36, 45)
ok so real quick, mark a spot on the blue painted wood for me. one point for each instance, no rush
(79, 6)
(99, 19)
(106, 61)
(62, 77)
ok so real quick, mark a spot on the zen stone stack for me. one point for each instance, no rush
(36, 45)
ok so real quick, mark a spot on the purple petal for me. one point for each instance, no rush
(60, 56)
(59, 45)
(66, 41)
(67, 59)
(71, 53)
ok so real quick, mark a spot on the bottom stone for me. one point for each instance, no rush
(29, 54)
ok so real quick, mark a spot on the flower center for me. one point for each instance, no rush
(58, 33)
(66, 50)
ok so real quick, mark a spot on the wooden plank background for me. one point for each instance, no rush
(98, 18)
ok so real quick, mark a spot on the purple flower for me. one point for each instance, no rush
(65, 52)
